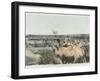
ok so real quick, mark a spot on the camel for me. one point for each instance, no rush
(69, 51)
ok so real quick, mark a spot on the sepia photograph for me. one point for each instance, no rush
(55, 38)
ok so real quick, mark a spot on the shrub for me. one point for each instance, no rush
(48, 57)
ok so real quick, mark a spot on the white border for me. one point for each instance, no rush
(50, 69)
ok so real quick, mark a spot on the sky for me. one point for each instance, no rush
(60, 24)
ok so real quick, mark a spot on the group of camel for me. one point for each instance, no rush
(70, 53)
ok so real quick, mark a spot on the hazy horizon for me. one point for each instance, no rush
(50, 24)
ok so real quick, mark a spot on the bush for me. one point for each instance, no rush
(48, 57)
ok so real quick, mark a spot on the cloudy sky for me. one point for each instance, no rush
(46, 24)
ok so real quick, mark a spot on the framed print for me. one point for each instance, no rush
(50, 40)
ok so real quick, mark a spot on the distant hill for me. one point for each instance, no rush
(76, 36)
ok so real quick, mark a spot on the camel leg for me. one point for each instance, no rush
(63, 59)
(84, 59)
(75, 60)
